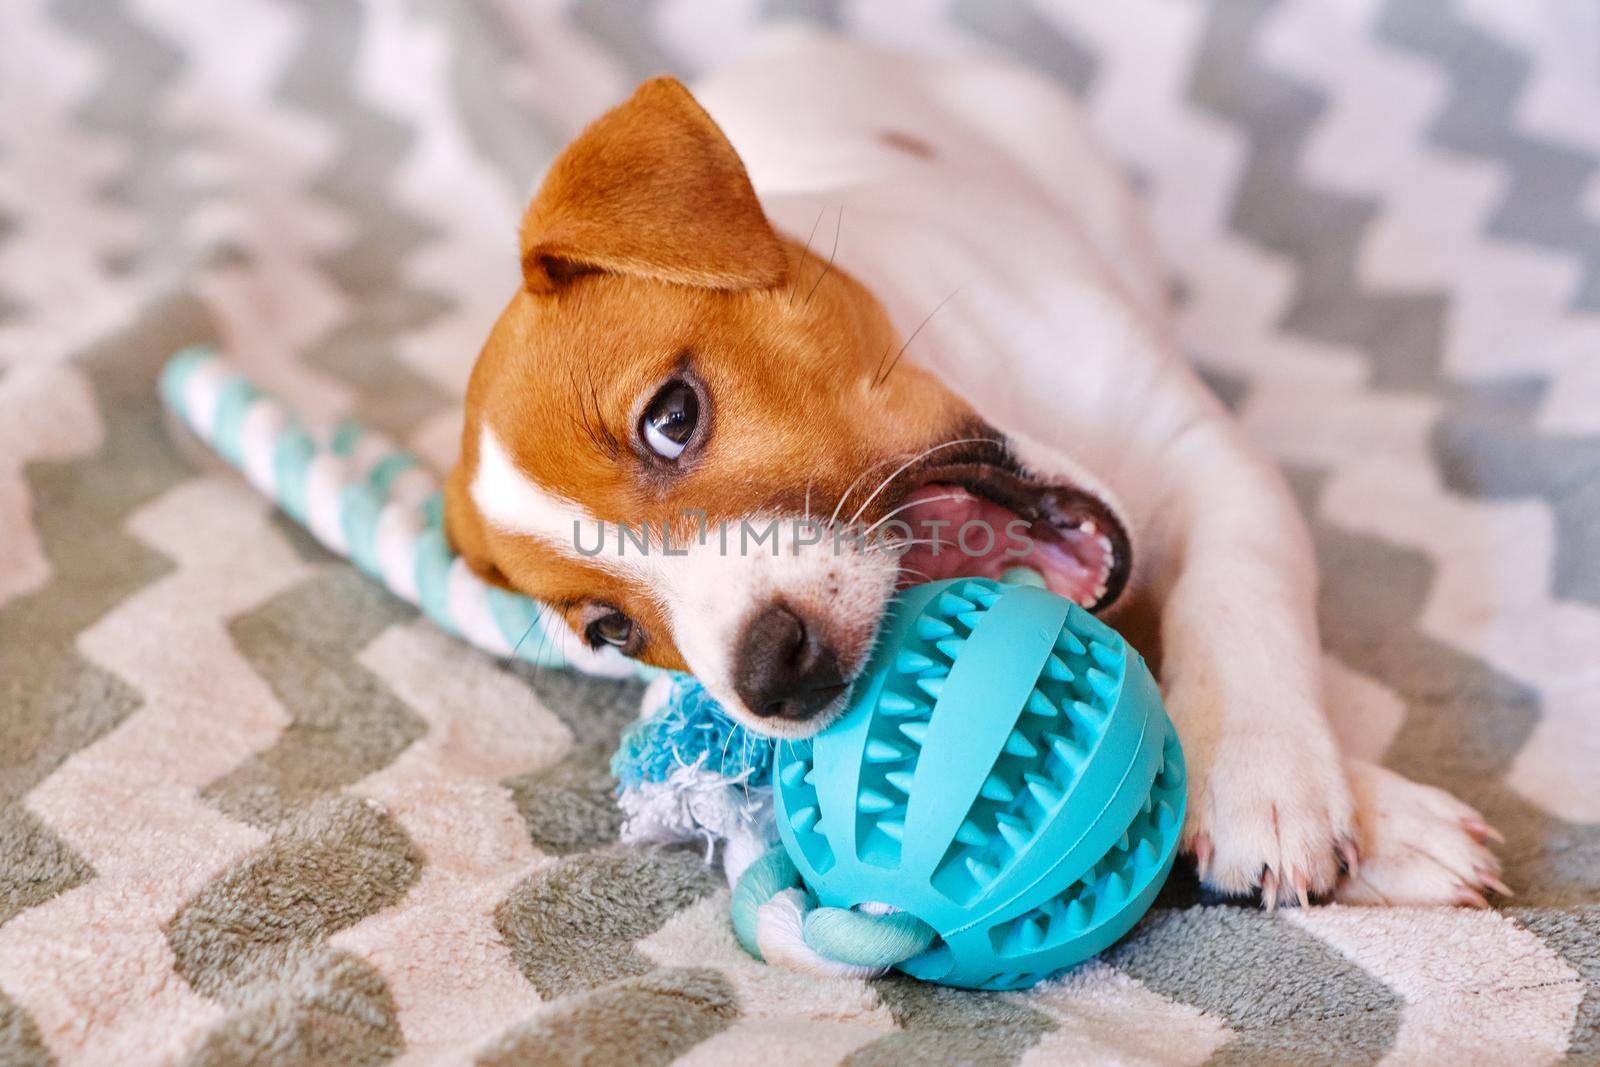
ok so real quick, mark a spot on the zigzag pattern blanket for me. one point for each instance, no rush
(253, 809)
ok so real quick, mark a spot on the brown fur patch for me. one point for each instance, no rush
(652, 188)
(790, 372)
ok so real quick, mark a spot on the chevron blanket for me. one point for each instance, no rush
(253, 809)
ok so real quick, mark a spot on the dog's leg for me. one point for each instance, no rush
(1269, 806)
(1419, 845)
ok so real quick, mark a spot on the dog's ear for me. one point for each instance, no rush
(652, 188)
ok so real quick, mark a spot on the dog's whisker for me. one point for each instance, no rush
(834, 518)
(795, 283)
(877, 379)
(908, 542)
(549, 638)
(911, 504)
(540, 616)
(518, 646)
(838, 222)
(906, 466)
(727, 739)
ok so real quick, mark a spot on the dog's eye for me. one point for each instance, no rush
(669, 421)
(612, 628)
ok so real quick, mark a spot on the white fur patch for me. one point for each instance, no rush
(709, 586)
(513, 503)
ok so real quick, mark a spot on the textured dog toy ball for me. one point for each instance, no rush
(1001, 800)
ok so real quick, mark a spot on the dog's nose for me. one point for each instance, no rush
(781, 669)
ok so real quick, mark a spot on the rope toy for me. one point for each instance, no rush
(372, 502)
(1001, 800)
(682, 777)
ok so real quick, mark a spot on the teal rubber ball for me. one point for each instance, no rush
(1005, 772)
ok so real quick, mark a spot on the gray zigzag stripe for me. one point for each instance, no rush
(517, 139)
(572, 926)
(571, 807)
(648, 1021)
(1575, 933)
(392, 397)
(1488, 444)
(1548, 181)
(55, 702)
(1182, 954)
(1012, 25)
(254, 939)
(347, 724)
(1321, 231)
(822, 12)
(1466, 722)
(1017, 28)
(139, 66)
(625, 27)
(943, 1025)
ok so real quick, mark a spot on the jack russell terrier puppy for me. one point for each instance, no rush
(880, 288)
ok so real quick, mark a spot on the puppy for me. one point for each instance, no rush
(915, 298)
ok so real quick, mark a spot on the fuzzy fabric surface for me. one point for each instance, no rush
(255, 810)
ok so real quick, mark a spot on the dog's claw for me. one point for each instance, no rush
(1491, 880)
(1470, 898)
(1269, 889)
(1302, 891)
(1202, 856)
(1481, 831)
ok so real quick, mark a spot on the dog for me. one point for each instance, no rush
(842, 288)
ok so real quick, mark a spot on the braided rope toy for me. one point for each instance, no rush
(368, 500)
(929, 829)
(686, 771)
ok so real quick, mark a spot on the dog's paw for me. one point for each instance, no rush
(1419, 845)
(1271, 813)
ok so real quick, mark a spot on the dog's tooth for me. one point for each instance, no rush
(1087, 526)
(1105, 543)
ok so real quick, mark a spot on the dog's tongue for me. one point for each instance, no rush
(956, 534)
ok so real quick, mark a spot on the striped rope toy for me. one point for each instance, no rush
(686, 772)
(378, 505)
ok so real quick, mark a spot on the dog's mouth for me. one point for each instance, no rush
(974, 512)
